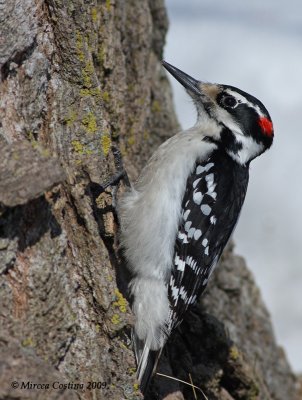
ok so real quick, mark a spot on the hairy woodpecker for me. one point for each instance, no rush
(177, 218)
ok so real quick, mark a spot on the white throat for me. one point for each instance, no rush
(250, 149)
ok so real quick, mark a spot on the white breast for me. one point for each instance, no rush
(150, 211)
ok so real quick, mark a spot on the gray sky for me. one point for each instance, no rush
(257, 47)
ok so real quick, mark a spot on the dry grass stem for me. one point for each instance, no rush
(186, 383)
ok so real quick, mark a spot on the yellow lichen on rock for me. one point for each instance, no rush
(105, 97)
(28, 342)
(87, 72)
(156, 106)
(94, 14)
(80, 46)
(121, 302)
(78, 146)
(234, 353)
(71, 118)
(106, 143)
(89, 121)
(115, 319)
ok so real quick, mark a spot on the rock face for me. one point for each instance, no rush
(80, 80)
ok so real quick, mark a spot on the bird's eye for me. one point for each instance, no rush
(228, 101)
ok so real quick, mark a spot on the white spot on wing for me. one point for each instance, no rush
(206, 209)
(214, 263)
(174, 290)
(197, 234)
(195, 183)
(205, 242)
(197, 197)
(182, 236)
(210, 184)
(213, 195)
(199, 169)
(180, 264)
(192, 299)
(210, 179)
(191, 232)
(206, 252)
(188, 260)
(188, 225)
(206, 168)
(186, 214)
(183, 294)
(191, 262)
(213, 220)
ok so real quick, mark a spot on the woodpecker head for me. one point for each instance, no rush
(242, 125)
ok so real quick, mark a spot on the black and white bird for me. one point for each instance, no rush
(179, 215)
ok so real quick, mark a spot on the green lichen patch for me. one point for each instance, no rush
(89, 122)
(156, 108)
(80, 46)
(28, 342)
(32, 140)
(70, 118)
(130, 88)
(131, 140)
(87, 72)
(136, 387)
(234, 353)
(94, 14)
(121, 302)
(36, 145)
(105, 97)
(106, 143)
(94, 92)
(101, 55)
(132, 371)
(80, 148)
(146, 135)
(115, 319)
(141, 101)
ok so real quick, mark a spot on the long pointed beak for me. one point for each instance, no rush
(186, 80)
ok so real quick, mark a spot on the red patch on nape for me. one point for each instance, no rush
(266, 126)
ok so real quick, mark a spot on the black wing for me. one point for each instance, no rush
(211, 206)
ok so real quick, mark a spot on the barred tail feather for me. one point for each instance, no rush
(146, 360)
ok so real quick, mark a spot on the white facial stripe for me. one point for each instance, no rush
(229, 122)
(250, 149)
(243, 100)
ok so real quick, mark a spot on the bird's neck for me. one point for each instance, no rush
(242, 149)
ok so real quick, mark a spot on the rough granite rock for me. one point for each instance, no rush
(80, 80)
(26, 171)
(20, 369)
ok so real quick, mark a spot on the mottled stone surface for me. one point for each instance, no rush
(78, 79)
(21, 371)
(26, 172)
